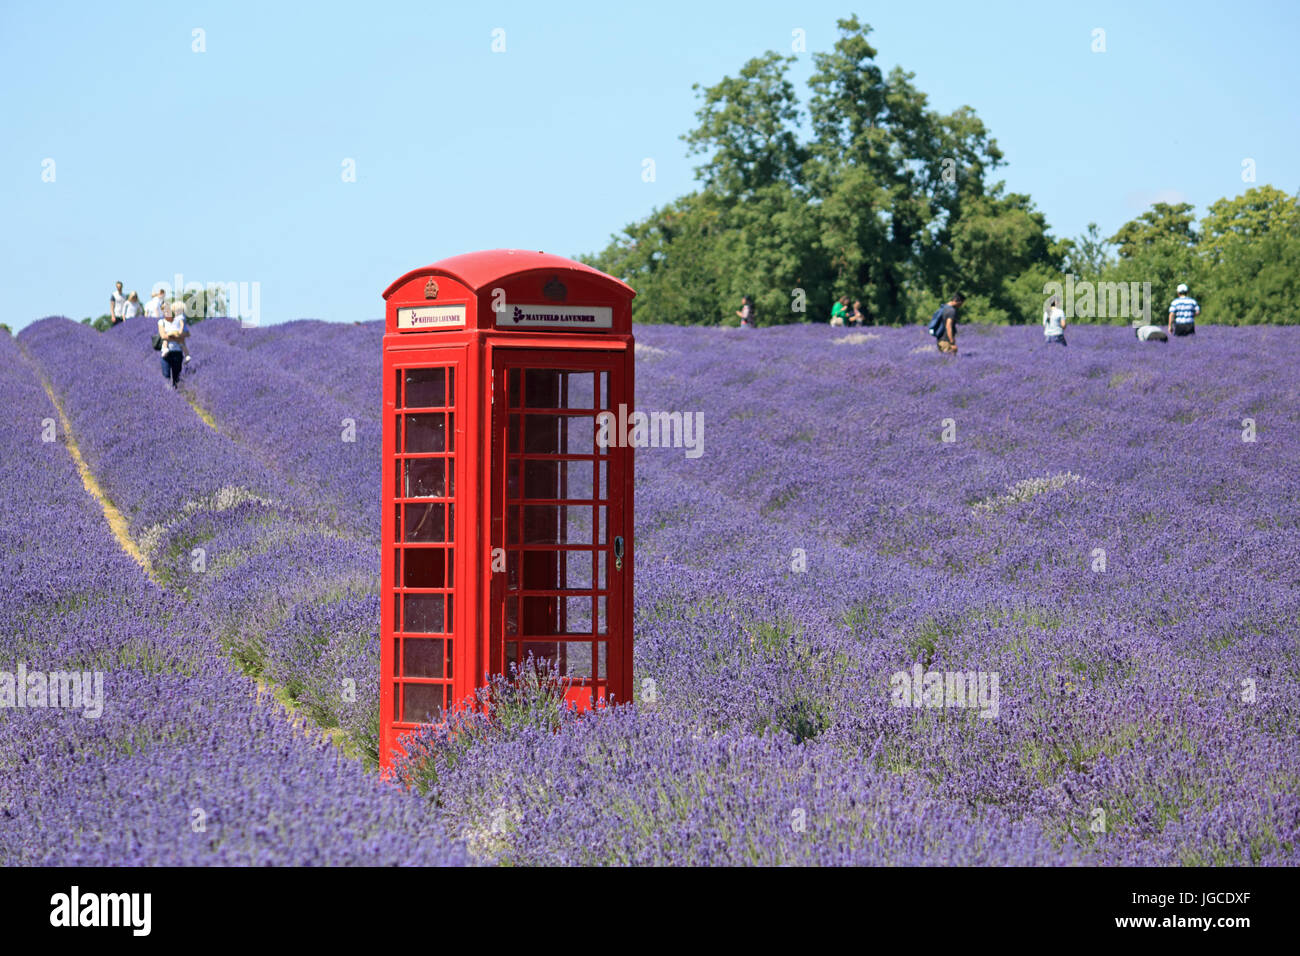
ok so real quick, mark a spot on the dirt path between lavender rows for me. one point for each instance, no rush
(116, 521)
(118, 526)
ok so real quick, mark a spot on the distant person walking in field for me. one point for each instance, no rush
(132, 308)
(171, 329)
(943, 324)
(1183, 312)
(178, 309)
(840, 310)
(172, 332)
(1053, 322)
(116, 302)
(746, 312)
(154, 307)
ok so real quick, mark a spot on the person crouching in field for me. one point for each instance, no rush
(840, 310)
(1053, 322)
(855, 314)
(171, 329)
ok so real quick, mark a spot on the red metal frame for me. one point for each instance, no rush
(470, 294)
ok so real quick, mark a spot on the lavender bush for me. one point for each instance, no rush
(1124, 675)
(219, 520)
(1108, 529)
(185, 763)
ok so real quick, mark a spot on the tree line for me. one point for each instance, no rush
(893, 203)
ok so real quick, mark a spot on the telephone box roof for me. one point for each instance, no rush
(478, 270)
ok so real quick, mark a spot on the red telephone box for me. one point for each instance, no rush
(507, 521)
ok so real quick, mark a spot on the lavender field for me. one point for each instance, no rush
(1110, 530)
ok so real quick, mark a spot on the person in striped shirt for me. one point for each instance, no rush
(1183, 312)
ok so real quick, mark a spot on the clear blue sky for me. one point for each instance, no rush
(227, 165)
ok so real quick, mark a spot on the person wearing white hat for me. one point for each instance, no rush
(1183, 312)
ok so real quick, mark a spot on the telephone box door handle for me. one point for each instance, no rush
(618, 553)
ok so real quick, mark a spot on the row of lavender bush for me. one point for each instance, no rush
(1123, 682)
(290, 410)
(286, 590)
(185, 763)
(1148, 710)
(1121, 687)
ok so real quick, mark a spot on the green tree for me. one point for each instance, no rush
(887, 202)
(770, 250)
(995, 240)
(1250, 254)
(892, 176)
(670, 258)
(1090, 255)
(1162, 224)
(892, 202)
(1258, 213)
(747, 130)
(1159, 249)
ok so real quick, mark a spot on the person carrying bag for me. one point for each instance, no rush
(171, 330)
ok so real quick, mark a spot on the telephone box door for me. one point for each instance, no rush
(423, 649)
(559, 503)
